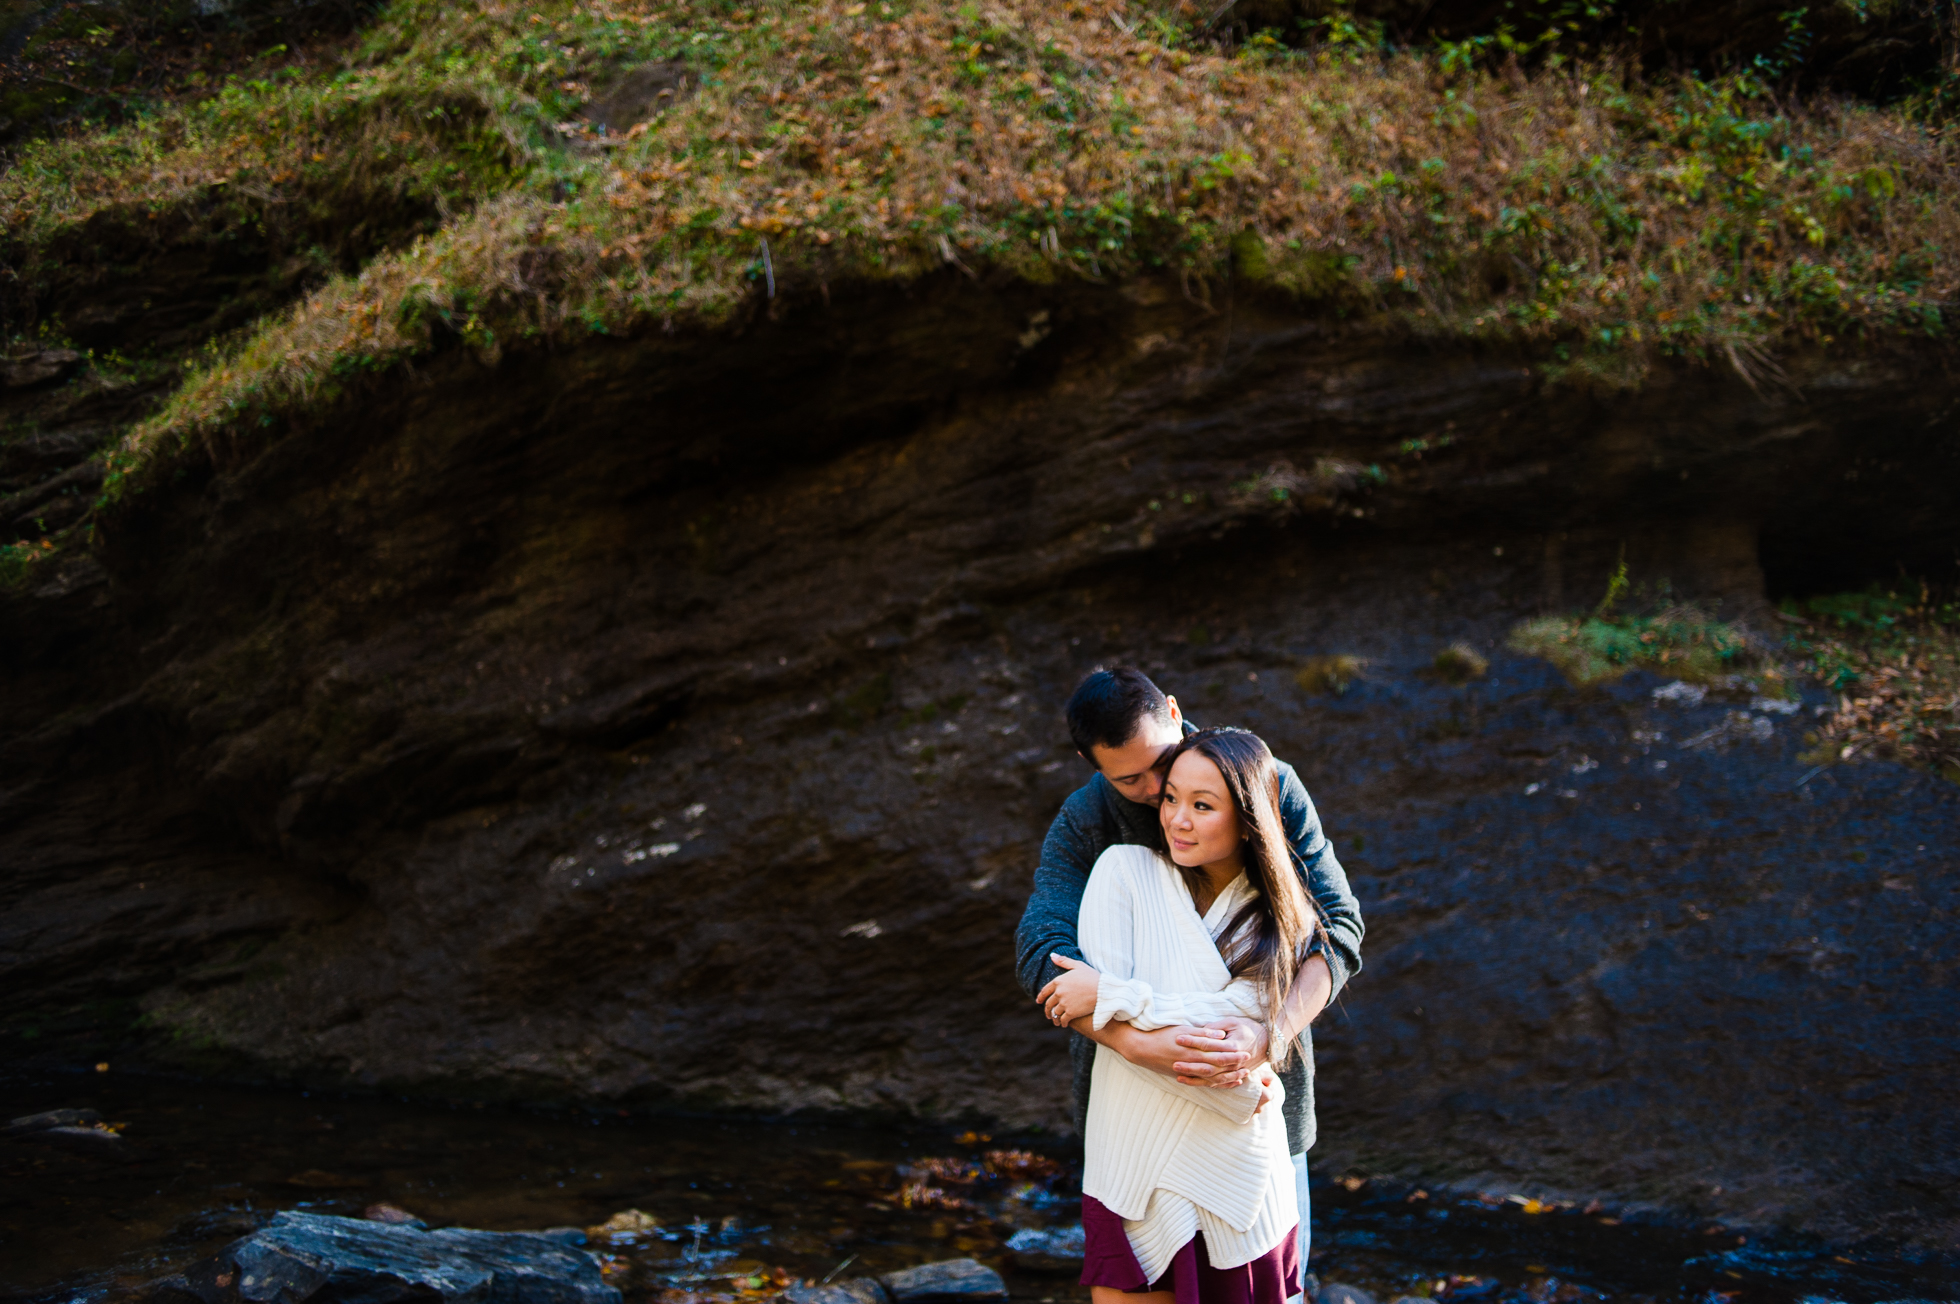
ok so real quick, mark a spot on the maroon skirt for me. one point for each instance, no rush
(1108, 1260)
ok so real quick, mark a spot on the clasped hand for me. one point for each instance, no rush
(1220, 1054)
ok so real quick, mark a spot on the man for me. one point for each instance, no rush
(1126, 727)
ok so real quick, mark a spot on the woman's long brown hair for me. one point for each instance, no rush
(1271, 934)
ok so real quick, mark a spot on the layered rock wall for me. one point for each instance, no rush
(677, 719)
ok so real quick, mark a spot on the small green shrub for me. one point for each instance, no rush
(1331, 674)
(1681, 641)
(1459, 663)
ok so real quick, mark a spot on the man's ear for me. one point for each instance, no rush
(1177, 716)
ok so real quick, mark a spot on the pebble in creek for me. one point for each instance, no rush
(1047, 1249)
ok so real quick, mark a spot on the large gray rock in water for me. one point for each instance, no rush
(956, 1281)
(858, 1290)
(52, 1118)
(303, 1258)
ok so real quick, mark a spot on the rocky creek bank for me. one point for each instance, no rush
(328, 1195)
(674, 722)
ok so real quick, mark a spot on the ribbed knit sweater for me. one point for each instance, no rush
(1173, 1160)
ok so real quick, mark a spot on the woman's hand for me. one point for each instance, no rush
(1227, 1050)
(1071, 995)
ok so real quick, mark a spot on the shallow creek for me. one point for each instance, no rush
(734, 1209)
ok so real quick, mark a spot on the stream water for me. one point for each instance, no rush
(730, 1210)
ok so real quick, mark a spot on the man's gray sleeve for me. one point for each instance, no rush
(1048, 924)
(1327, 884)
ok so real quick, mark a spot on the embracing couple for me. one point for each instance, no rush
(1189, 920)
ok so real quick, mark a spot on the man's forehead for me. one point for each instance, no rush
(1143, 761)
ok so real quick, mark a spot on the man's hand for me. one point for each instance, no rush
(1220, 1054)
(1227, 1052)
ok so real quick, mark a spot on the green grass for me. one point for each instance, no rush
(1597, 219)
(1678, 641)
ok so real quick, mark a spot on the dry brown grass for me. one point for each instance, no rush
(1600, 221)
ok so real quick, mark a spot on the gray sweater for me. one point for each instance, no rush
(1094, 818)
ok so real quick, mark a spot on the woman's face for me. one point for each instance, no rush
(1200, 823)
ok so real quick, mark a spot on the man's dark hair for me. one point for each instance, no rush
(1109, 707)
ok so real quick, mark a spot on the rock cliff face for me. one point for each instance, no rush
(676, 720)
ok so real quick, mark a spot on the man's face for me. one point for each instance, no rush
(1136, 769)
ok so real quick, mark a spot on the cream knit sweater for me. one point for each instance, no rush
(1173, 1160)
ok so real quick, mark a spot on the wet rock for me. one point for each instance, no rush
(625, 1227)
(51, 1119)
(1335, 1292)
(572, 1236)
(956, 1281)
(81, 1140)
(79, 1130)
(859, 1290)
(1047, 1249)
(301, 1258)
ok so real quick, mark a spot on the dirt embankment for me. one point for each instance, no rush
(677, 719)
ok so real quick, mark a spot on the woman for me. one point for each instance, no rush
(1188, 1191)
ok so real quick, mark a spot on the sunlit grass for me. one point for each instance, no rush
(1598, 220)
(1679, 641)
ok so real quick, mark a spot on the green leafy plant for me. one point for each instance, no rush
(1676, 639)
